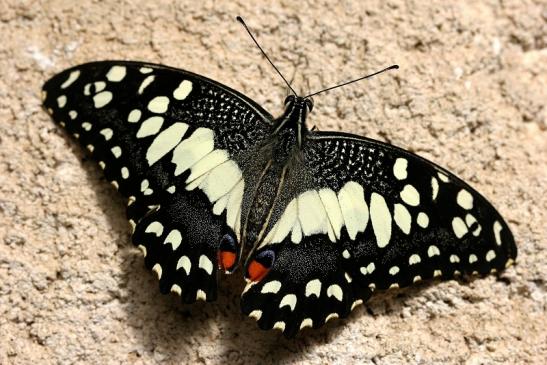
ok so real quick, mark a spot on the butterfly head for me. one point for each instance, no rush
(296, 112)
(292, 101)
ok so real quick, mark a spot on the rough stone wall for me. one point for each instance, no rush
(470, 95)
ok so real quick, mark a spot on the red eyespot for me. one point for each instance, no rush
(260, 265)
(226, 260)
(256, 271)
(227, 253)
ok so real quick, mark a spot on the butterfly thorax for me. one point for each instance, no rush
(279, 153)
(294, 117)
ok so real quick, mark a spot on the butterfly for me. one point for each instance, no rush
(317, 220)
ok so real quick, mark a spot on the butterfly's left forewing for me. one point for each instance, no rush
(172, 142)
(377, 217)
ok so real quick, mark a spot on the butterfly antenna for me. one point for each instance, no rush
(392, 67)
(240, 19)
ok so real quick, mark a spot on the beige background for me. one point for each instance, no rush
(470, 95)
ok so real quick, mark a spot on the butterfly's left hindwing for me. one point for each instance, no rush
(170, 141)
(377, 217)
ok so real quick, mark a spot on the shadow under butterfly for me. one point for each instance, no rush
(318, 220)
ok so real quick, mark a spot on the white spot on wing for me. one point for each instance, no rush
(434, 188)
(73, 76)
(233, 209)
(459, 227)
(443, 177)
(497, 229)
(306, 322)
(410, 195)
(207, 163)
(354, 208)
(107, 133)
(147, 81)
(157, 269)
(394, 270)
(116, 151)
(433, 251)
(311, 213)
(206, 264)
(176, 289)
(185, 263)
(183, 90)
(356, 303)
(256, 314)
(296, 234)
(61, 101)
(159, 104)
(102, 98)
(381, 219)
(423, 220)
(140, 247)
(288, 300)
(490, 255)
(99, 86)
(193, 149)
(414, 259)
(156, 228)
(134, 116)
(165, 142)
(150, 127)
(271, 287)
(201, 295)
(125, 172)
(399, 168)
(174, 238)
(402, 218)
(465, 199)
(313, 287)
(334, 212)
(279, 326)
(221, 180)
(116, 73)
(220, 205)
(285, 224)
(335, 291)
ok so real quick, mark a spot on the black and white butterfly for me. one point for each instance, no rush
(318, 220)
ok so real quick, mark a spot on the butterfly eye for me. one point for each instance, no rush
(260, 265)
(288, 99)
(227, 253)
(309, 103)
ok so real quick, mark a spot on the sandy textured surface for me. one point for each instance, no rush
(470, 95)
